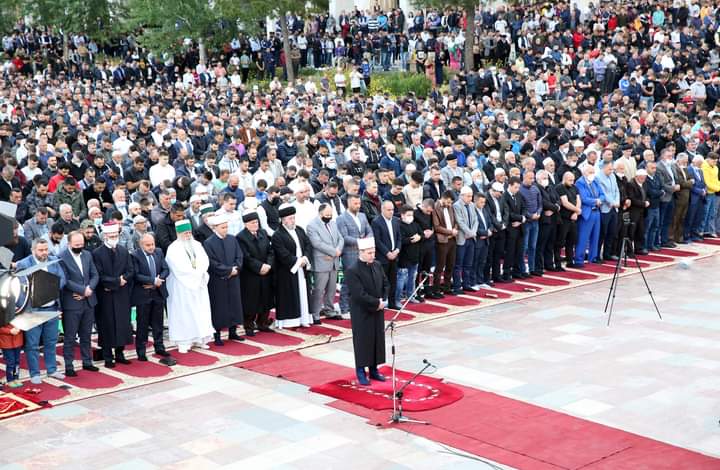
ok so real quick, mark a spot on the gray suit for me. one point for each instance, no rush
(349, 230)
(326, 241)
(667, 182)
(466, 228)
(33, 230)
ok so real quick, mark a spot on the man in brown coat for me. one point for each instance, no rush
(446, 231)
(682, 197)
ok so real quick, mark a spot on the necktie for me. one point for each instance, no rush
(151, 264)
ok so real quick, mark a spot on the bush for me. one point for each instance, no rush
(400, 84)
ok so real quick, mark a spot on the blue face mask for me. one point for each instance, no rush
(173, 201)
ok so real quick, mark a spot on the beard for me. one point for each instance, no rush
(289, 226)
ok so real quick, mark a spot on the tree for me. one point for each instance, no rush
(9, 15)
(99, 19)
(165, 25)
(469, 7)
(254, 11)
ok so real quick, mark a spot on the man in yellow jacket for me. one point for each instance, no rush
(710, 174)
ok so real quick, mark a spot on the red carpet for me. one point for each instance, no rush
(46, 392)
(710, 241)
(276, 339)
(493, 294)
(516, 287)
(318, 330)
(574, 275)
(93, 380)
(655, 258)
(390, 314)
(459, 300)
(295, 367)
(340, 323)
(599, 268)
(424, 393)
(427, 307)
(676, 252)
(193, 358)
(508, 431)
(631, 263)
(547, 281)
(235, 348)
(15, 403)
(143, 369)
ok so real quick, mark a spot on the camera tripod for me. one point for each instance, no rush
(610, 302)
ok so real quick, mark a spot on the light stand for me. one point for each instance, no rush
(610, 302)
(397, 415)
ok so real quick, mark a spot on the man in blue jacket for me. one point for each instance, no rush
(592, 197)
(48, 331)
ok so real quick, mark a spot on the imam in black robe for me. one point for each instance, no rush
(367, 284)
(257, 293)
(225, 297)
(287, 295)
(112, 312)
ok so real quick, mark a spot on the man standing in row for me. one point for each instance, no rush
(149, 295)
(327, 247)
(256, 275)
(293, 252)
(352, 225)
(112, 314)
(78, 300)
(386, 230)
(47, 331)
(226, 261)
(189, 319)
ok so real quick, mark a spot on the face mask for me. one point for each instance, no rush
(326, 220)
(472, 165)
(77, 251)
(544, 183)
(97, 221)
(590, 178)
(620, 174)
(111, 243)
(571, 164)
(407, 219)
(173, 201)
(331, 165)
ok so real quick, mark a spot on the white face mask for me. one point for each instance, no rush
(543, 183)
(112, 243)
(590, 178)
(407, 219)
(620, 174)
(571, 164)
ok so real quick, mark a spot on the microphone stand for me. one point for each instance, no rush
(397, 415)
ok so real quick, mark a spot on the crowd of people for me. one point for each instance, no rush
(166, 185)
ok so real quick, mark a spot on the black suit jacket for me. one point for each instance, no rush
(77, 281)
(504, 213)
(429, 190)
(383, 244)
(142, 276)
(516, 207)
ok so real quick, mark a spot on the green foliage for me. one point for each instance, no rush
(98, 19)
(400, 84)
(9, 15)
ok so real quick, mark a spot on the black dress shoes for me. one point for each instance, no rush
(162, 353)
(266, 329)
(249, 332)
(70, 373)
(90, 368)
(142, 358)
(110, 364)
(121, 360)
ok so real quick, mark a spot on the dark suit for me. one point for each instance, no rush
(513, 251)
(430, 191)
(548, 254)
(165, 233)
(637, 210)
(148, 299)
(78, 315)
(383, 245)
(482, 245)
(696, 210)
(682, 201)
(496, 249)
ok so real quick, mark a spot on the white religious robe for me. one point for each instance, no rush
(188, 302)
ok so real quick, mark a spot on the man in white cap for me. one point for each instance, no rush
(190, 322)
(368, 287)
(112, 313)
(203, 231)
(192, 213)
(226, 261)
(293, 252)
